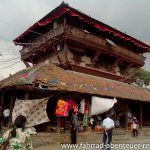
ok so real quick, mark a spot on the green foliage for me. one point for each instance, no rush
(141, 75)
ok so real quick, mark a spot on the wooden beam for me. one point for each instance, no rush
(66, 49)
(98, 46)
(58, 57)
(65, 23)
(127, 69)
(95, 59)
(24, 88)
(94, 71)
(34, 49)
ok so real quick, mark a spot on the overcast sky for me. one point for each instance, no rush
(130, 16)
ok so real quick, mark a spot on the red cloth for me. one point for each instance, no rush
(71, 104)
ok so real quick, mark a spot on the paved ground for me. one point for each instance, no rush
(140, 140)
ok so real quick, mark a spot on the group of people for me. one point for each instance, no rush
(109, 123)
(95, 120)
(19, 137)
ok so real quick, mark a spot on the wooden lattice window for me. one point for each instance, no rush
(77, 57)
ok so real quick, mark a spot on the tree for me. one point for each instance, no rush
(142, 76)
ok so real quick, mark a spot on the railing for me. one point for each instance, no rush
(42, 39)
(114, 49)
(127, 53)
(76, 32)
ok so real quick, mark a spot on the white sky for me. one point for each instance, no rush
(130, 16)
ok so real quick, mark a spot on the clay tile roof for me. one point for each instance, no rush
(58, 79)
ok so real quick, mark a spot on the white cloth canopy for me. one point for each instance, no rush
(101, 105)
(33, 110)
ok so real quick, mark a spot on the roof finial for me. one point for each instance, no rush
(63, 3)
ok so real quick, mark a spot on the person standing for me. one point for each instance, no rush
(108, 125)
(135, 125)
(18, 137)
(74, 123)
(92, 122)
(6, 114)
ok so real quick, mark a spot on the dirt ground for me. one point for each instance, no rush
(141, 140)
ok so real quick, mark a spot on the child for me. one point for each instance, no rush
(135, 127)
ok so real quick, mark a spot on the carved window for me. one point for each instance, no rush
(77, 57)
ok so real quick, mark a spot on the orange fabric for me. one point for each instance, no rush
(62, 108)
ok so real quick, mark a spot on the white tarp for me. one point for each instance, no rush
(34, 110)
(101, 105)
(82, 107)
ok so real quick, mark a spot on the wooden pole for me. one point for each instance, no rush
(141, 115)
(2, 98)
(66, 51)
(126, 116)
(1, 108)
(89, 109)
(58, 131)
(12, 102)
